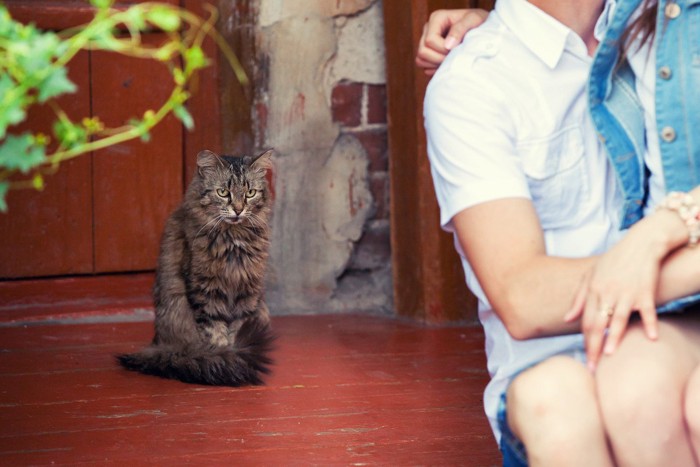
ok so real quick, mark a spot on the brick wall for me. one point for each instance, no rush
(360, 110)
(321, 104)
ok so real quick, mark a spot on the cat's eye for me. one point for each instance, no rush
(251, 193)
(223, 192)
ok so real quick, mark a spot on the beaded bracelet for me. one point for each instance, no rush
(688, 210)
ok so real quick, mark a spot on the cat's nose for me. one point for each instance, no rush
(238, 210)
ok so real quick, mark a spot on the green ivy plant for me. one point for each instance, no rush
(33, 71)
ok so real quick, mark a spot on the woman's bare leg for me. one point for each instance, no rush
(552, 408)
(641, 389)
(692, 411)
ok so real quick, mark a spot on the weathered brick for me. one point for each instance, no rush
(346, 103)
(373, 250)
(376, 103)
(375, 143)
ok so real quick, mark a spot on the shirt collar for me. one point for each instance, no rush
(543, 35)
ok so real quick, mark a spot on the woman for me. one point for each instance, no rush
(534, 204)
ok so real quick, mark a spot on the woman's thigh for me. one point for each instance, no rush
(641, 387)
(677, 348)
(638, 362)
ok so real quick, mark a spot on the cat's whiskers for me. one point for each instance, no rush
(217, 221)
(220, 220)
(256, 220)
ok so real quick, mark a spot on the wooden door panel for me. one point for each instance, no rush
(428, 278)
(60, 14)
(50, 232)
(136, 184)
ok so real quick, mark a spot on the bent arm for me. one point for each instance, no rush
(530, 291)
(680, 268)
(680, 275)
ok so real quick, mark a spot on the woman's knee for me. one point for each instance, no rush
(692, 407)
(640, 388)
(556, 397)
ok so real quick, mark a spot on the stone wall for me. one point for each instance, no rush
(321, 104)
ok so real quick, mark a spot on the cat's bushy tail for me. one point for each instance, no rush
(239, 365)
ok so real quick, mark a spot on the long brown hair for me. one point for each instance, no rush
(642, 28)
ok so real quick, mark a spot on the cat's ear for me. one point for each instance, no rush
(262, 161)
(207, 160)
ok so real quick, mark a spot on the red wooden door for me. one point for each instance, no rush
(428, 278)
(135, 185)
(102, 212)
(50, 232)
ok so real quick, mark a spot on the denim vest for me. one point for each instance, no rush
(617, 113)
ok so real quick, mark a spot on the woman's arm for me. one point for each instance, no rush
(680, 275)
(647, 267)
(531, 291)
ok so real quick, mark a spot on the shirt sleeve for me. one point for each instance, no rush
(471, 138)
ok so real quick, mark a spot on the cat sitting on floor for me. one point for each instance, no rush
(212, 325)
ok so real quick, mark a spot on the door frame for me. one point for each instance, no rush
(429, 282)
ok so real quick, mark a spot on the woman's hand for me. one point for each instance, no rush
(443, 31)
(624, 281)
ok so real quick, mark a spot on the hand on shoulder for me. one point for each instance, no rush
(443, 31)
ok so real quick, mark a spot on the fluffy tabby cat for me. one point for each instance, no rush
(212, 325)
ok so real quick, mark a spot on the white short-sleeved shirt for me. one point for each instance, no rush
(506, 117)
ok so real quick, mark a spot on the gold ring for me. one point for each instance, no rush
(606, 311)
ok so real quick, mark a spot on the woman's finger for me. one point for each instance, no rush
(471, 20)
(594, 334)
(427, 58)
(617, 326)
(650, 319)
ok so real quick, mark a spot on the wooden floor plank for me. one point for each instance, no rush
(35, 299)
(346, 389)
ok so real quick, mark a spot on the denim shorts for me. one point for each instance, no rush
(512, 449)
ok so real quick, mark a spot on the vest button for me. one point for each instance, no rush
(665, 72)
(672, 10)
(668, 134)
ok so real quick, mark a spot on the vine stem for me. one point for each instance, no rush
(134, 132)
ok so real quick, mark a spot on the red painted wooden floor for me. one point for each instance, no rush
(346, 390)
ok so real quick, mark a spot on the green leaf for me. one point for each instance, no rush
(135, 16)
(164, 17)
(69, 134)
(165, 52)
(179, 77)
(38, 182)
(36, 54)
(12, 104)
(55, 84)
(101, 3)
(184, 115)
(4, 187)
(18, 153)
(195, 58)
